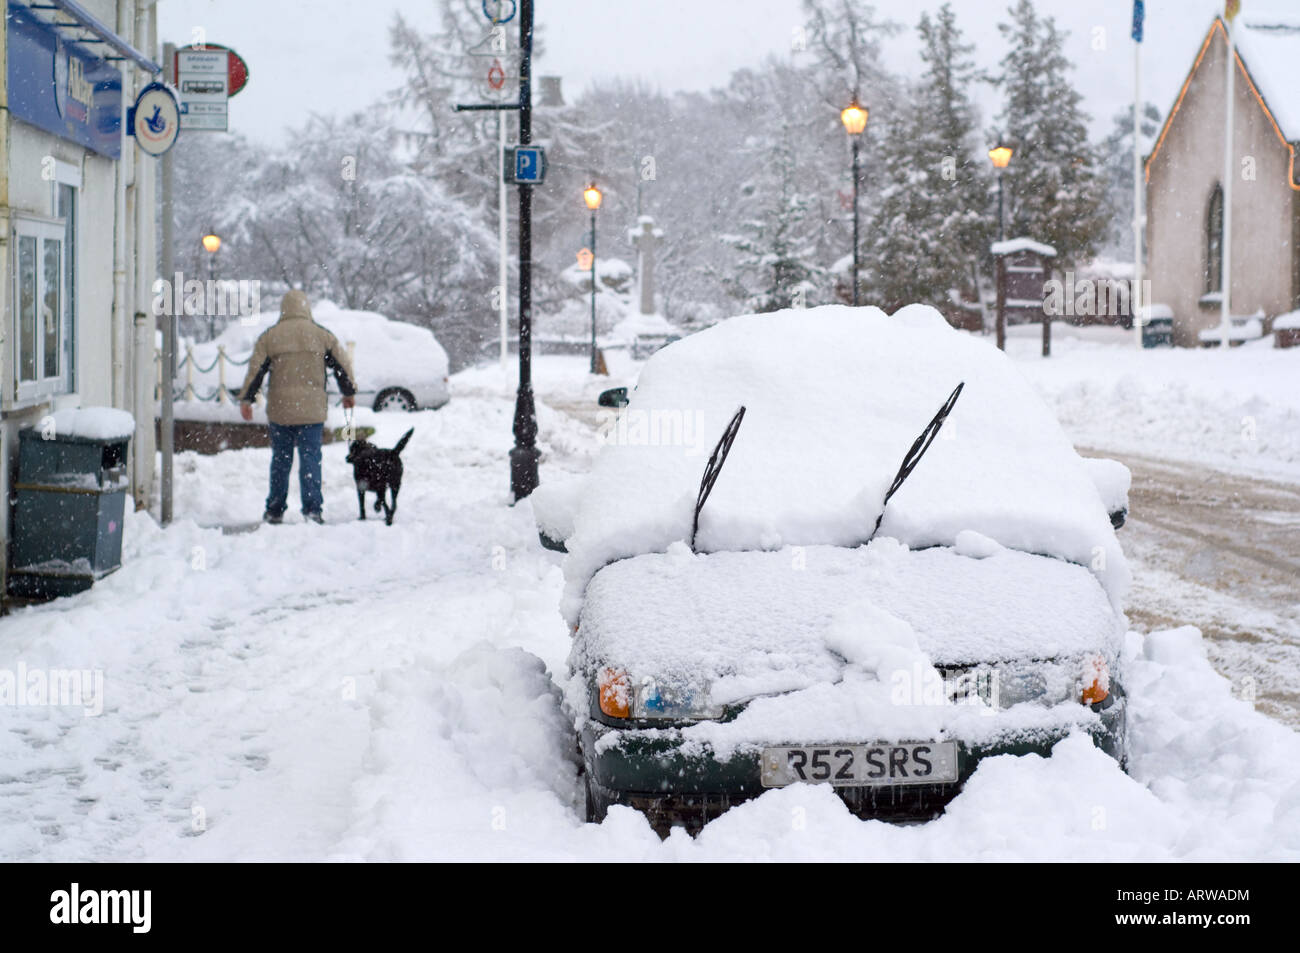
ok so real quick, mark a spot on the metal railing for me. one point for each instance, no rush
(222, 394)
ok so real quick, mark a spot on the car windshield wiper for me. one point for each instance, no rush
(711, 469)
(914, 455)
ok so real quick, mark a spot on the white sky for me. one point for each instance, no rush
(331, 55)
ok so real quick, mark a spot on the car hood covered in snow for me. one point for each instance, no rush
(759, 623)
(835, 396)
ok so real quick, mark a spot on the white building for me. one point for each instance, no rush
(77, 213)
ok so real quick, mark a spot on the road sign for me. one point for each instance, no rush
(500, 11)
(155, 120)
(237, 73)
(203, 78)
(525, 165)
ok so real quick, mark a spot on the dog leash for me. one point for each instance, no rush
(349, 430)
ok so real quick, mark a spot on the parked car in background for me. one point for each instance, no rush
(398, 366)
(836, 547)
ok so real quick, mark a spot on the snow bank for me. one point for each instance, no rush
(1236, 409)
(835, 398)
(94, 423)
(1287, 322)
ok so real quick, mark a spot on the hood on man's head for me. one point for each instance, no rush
(295, 305)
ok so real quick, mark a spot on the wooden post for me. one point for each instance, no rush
(221, 374)
(1047, 327)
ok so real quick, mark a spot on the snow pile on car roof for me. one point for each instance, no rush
(835, 396)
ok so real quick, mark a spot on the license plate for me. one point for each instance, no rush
(931, 762)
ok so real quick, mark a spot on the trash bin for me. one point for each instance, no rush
(69, 501)
(1158, 328)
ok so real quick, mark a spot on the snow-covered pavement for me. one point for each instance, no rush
(1237, 410)
(357, 691)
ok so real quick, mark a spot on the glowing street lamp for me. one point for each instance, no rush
(854, 118)
(1000, 156)
(211, 244)
(592, 196)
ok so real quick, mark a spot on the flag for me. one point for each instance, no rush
(1139, 14)
(1230, 10)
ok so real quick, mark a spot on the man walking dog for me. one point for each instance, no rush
(295, 352)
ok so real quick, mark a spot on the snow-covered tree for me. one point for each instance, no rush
(1117, 149)
(1056, 191)
(932, 220)
(780, 201)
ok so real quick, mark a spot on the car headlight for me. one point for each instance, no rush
(1005, 684)
(652, 699)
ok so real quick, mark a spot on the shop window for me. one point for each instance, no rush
(41, 312)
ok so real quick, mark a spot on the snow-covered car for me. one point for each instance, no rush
(398, 366)
(834, 546)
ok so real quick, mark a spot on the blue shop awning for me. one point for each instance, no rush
(88, 30)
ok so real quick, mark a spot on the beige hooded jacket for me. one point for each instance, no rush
(295, 352)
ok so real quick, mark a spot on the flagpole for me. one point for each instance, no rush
(1135, 299)
(1225, 311)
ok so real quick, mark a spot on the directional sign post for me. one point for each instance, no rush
(525, 165)
(202, 75)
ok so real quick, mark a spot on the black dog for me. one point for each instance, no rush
(377, 470)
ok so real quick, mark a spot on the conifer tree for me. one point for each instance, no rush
(932, 220)
(1056, 192)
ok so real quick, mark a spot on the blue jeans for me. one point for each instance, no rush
(306, 437)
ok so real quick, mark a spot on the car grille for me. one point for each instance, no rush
(904, 803)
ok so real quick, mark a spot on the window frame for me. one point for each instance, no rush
(1213, 280)
(42, 231)
(67, 174)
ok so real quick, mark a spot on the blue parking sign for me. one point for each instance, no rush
(525, 165)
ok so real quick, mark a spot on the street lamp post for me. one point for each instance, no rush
(592, 196)
(1000, 157)
(524, 456)
(854, 118)
(212, 245)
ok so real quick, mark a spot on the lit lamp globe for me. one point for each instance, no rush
(591, 195)
(854, 118)
(1000, 156)
(211, 243)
